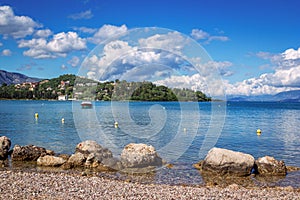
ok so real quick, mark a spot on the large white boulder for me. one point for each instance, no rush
(139, 155)
(224, 161)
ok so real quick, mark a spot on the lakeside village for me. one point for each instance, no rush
(71, 87)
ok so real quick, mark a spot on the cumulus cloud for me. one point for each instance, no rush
(221, 67)
(291, 54)
(85, 29)
(15, 26)
(151, 58)
(6, 52)
(59, 46)
(196, 82)
(43, 33)
(107, 31)
(74, 61)
(82, 15)
(160, 58)
(286, 76)
(199, 34)
(172, 41)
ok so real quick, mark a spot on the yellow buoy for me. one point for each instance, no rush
(36, 115)
(62, 120)
(116, 124)
(258, 132)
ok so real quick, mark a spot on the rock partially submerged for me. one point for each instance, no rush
(50, 161)
(75, 160)
(92, 150)
(4, 147)
(90, 154)
(270, 166)
(224, 161)
(139, 156)
(27, 153)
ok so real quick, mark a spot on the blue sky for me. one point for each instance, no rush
(254, 43)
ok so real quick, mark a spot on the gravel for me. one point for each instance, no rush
(18, 184)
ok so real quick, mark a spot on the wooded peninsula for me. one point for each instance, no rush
(71, 87)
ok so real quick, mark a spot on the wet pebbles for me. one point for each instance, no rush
(18, 184)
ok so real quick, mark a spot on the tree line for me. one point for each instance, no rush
(81, 88)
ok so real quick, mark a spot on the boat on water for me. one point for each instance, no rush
(86, 104)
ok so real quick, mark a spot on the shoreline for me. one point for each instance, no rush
(22, 184)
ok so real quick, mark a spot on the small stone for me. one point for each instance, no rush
(50, 152)
(170, 166)
(292, 168)
(198, 165)
(233, 186)
(289, 188)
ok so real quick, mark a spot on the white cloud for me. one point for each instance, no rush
(59, 46)
(172, 41)
(15, 26)
(286, 76)
(291, 54)
(63, 67)
(196, 82)
(199, 34)
(159, 58)
(119, 60)
(107, 31)
(82, 15)
(218, 38)
(220, 68)
(6, 52)
(74, 61)
(85, 29)
(43, 33)
(1, 44)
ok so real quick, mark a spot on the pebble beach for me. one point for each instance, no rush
(19, 184)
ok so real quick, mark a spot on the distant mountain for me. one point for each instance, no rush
(289, 96)
(15, 78)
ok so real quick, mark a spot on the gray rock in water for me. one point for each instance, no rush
(112, 163)
(92, 147)
(27, 153)
(50, 161)
(224, 161)
(76, 160)
(270, 166)
(139, 155)
(4, 147)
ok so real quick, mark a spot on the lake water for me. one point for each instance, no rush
(182, 133)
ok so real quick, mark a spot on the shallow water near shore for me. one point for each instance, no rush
(279, 123)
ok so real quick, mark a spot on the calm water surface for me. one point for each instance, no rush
(159, 124)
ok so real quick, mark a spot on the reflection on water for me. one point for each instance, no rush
(162, 123)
